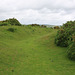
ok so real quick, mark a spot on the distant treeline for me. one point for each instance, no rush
(44, 26)
(38, 25)
(66, 38)
(15, 22)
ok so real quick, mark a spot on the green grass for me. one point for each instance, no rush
(31, 51)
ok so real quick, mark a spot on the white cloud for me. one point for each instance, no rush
(38, 11)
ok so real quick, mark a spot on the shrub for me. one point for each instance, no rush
(12, 21)
(66, 37)
(61, 38)
(4, 24)
(71, 51)
(56, 27)
(43, 26)
(35, 25)
(11, 29)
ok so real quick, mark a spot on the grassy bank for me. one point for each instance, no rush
(31, 51)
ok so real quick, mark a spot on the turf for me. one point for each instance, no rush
(31, 51)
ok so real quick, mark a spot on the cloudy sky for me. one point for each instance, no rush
(53, 12)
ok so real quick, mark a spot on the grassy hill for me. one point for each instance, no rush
(31, 51)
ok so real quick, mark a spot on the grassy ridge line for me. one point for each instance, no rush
(20, 34)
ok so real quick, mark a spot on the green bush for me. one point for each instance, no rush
(61, 38)
(56, 27)
(64, 35)
(11, 21)
(35, 25)
(11, 29)
(66, 38)
(14, 21)
(71, 51)
(4, 24)
(43, 26)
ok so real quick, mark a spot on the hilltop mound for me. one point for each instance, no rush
(10, 21)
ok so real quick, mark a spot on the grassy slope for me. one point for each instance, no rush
(31, 51)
